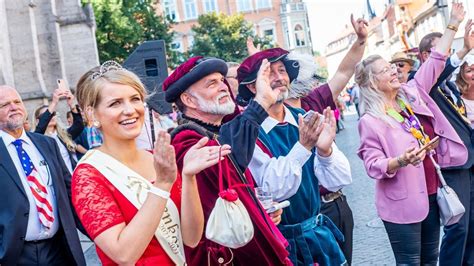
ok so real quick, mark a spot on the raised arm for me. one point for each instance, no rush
(468, 40)
(347, 67)
(429, 73)
(77, 122)
(44, 118)
(241, 132)
(457, 16)
(455, 60)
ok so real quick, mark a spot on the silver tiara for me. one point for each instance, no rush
(106, 67)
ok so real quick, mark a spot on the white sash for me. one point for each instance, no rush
(135, 188)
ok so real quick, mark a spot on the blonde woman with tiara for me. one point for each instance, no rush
(397, 120)
(47, 123)
(134, 204)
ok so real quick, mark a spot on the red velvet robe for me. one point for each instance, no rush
(268, 245)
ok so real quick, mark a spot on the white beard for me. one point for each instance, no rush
(282, 97)
(214, 107)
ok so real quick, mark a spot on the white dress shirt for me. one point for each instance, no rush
(282, 175)
(35, 230)
(64, 152)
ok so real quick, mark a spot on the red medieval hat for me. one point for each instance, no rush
(247, 72)
(189, 73)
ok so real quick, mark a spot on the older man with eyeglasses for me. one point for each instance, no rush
(404, 65)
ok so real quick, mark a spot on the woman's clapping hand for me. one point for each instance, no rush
(164, 160)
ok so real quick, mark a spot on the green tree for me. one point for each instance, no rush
(225, 37)
(123, 25)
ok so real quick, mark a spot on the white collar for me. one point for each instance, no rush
(269, 123)
(8, 139)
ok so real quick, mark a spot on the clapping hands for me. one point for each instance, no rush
(200, 157)
(164, 161)
(328, 133)
(317, 133)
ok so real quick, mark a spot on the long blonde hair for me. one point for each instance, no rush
(60, 129)
(372, 101)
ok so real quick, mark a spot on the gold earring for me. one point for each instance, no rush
(96, 124)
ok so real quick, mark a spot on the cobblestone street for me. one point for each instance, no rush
(371, 245)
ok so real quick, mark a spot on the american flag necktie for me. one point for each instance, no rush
(40, 194)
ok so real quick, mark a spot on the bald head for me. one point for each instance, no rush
(12, 110)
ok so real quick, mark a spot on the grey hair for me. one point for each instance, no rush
(306, 80)
(372, 101)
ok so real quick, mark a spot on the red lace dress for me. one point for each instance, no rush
(100, 206)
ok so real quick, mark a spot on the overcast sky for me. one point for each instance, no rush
(327, 18)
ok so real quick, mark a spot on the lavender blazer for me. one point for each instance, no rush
(402, 197)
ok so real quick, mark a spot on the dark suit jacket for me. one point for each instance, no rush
(14, 205)
(74, 130)
(463, 129)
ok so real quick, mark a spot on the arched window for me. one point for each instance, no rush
(300, 36)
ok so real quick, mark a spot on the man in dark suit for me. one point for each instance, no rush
(457, 246)
(37, 225)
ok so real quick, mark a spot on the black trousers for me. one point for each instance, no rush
(357, 109)
(53, 251)
(457, 246)
(341, 214)
(416, 243)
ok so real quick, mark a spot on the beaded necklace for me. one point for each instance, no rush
(411, 124)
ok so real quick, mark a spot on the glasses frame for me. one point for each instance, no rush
(385, 70)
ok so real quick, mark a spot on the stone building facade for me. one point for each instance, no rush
(42, 41)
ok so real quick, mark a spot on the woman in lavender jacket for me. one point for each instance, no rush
(397, 120)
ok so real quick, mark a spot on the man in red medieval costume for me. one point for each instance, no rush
(203, 96)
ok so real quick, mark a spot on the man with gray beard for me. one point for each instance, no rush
(293, 154)
(306, 94)
(203, 96)
(37, 225)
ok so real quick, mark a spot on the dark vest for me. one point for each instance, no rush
(463, 129)
(306, 202)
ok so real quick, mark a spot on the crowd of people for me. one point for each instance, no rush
(262, 130)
